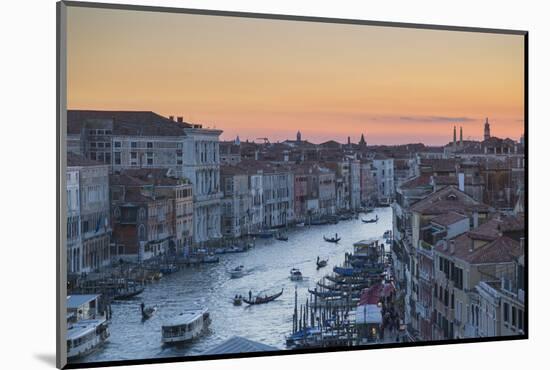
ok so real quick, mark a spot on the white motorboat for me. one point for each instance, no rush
(85, 336)
(296, 275)
(237, 272)
(186, 326)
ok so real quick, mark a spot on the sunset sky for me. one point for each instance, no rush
(257, 77)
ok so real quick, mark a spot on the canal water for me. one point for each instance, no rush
(268, 266)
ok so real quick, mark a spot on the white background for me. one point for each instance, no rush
(27, 206)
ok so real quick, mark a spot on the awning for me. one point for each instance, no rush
(368, 314)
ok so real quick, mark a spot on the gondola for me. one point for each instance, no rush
(262, 300)
(372, 220)
(343, 288)
(147, 312)
(329, 294)
(281, 237)
(332, 240)
(347, 280)
(321, 263)
(128, 294)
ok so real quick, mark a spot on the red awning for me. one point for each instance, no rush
(371, 295)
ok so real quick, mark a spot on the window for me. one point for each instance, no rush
(506, 308)
(133, 155)
(453, 300)
(108, 158)
(133, 144)
(117, 158)
(149, 145)
(514, 316)
(117, 144)
(520, 319)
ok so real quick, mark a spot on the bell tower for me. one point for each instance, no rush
(487, 131)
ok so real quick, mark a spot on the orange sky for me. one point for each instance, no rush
(257, 77)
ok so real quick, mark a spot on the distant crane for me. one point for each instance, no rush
(265, 139)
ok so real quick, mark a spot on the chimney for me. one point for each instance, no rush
(180, 119)
(171, 118)
(471, 249)
(452, 248)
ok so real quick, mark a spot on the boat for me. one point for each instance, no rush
(369, 209)
(265, 234)
(238, 300)
(344, 280)
(131, 290)
(343, 288)
(85, 336)
(334, 293)
(147, 312)
(282, 237)
(335, 239)
(387, 234)
(296, 275)
(321, 263)
(318, 222)
(210, 258)
(262, 300)
(168, 269)
(321, 294)
(307, 337)
(300, 224)
(237, 272)
(372, 220)
(186, 326)
(219, 251)
(235, 249)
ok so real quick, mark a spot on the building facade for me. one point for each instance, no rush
(94, 209)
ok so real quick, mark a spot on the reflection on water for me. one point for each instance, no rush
(210, 285)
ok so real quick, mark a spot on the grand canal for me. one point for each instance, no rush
(268, 264)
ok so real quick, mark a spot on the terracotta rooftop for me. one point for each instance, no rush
(448, 199)
(419, 181)
(447, 219)
(445, 180)
(439, 165)
(497, 225)
(141, 123)
(501, 250)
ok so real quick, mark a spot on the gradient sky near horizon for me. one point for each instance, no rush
(269, 78)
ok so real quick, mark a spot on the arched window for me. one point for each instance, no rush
(141, 232)
(141, 214)
(117, 212)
